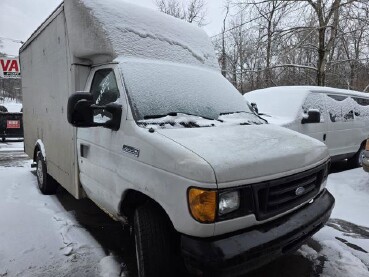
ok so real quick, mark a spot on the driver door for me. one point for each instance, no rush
(98, 146)
(318, 131)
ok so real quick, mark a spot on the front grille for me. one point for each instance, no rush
(277, 196)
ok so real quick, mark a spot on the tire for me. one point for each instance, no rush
(357, 159)
(45, 183)
(155, 243)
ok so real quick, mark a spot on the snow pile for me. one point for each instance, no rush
(133, 31)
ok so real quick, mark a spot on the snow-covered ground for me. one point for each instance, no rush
(344, 243)
(43, 235)
(38, 236)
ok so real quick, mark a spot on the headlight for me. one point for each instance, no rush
(228, 202)
(202, 204)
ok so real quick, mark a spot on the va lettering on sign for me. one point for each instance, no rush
(9, 68)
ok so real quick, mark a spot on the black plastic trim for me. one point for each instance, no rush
(243, 251)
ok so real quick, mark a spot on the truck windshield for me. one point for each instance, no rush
(158, 90)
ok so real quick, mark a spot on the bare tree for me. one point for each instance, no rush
(224, 55)
(193, 11)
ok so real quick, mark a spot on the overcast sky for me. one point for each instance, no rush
(19, 18)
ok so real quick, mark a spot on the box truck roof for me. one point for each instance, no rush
(100, 31)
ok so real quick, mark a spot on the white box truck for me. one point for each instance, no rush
(159, 140)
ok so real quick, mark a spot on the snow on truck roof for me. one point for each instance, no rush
(113, 28)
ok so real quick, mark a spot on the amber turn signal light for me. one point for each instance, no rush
(367, 145)
(202, 204)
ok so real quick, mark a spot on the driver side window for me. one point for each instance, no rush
(315, 101)
(104, 88)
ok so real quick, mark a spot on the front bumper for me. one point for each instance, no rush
(366, 161)
(242, 251)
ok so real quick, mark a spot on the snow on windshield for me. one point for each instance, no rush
(156, 89)
(135, 31)
(277, 101)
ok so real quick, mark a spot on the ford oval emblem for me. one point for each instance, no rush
(300, 191)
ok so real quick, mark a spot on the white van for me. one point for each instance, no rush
(337, 117)
(161, 141)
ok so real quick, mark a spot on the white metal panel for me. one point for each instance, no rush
(47, 84)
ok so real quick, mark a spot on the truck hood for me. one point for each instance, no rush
(250, 152)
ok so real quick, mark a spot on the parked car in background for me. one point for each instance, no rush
(337, 117)
(3, 109)
(11, 121)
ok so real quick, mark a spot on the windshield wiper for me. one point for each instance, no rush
(257, 115)
(227, 113)
(155, 116)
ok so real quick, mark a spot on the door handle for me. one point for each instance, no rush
(324, 137)
(84, 148)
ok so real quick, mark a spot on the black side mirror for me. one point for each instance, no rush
(82, 110)
(313, 116)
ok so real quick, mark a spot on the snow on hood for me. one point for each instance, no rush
(250, 152)
(115, 27)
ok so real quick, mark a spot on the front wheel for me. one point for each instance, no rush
(155, 242)
(45, 183)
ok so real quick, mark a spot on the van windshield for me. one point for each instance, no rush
(159, 90)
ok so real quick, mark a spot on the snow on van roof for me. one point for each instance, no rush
(117, 28)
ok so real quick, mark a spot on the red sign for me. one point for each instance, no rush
(12, 124)
(9, 68)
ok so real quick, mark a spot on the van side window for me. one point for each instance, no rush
(341, 108)
(315, 101)
(361, 110)
(104, 88)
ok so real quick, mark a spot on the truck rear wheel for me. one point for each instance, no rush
(45, 183)
(155, 243)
